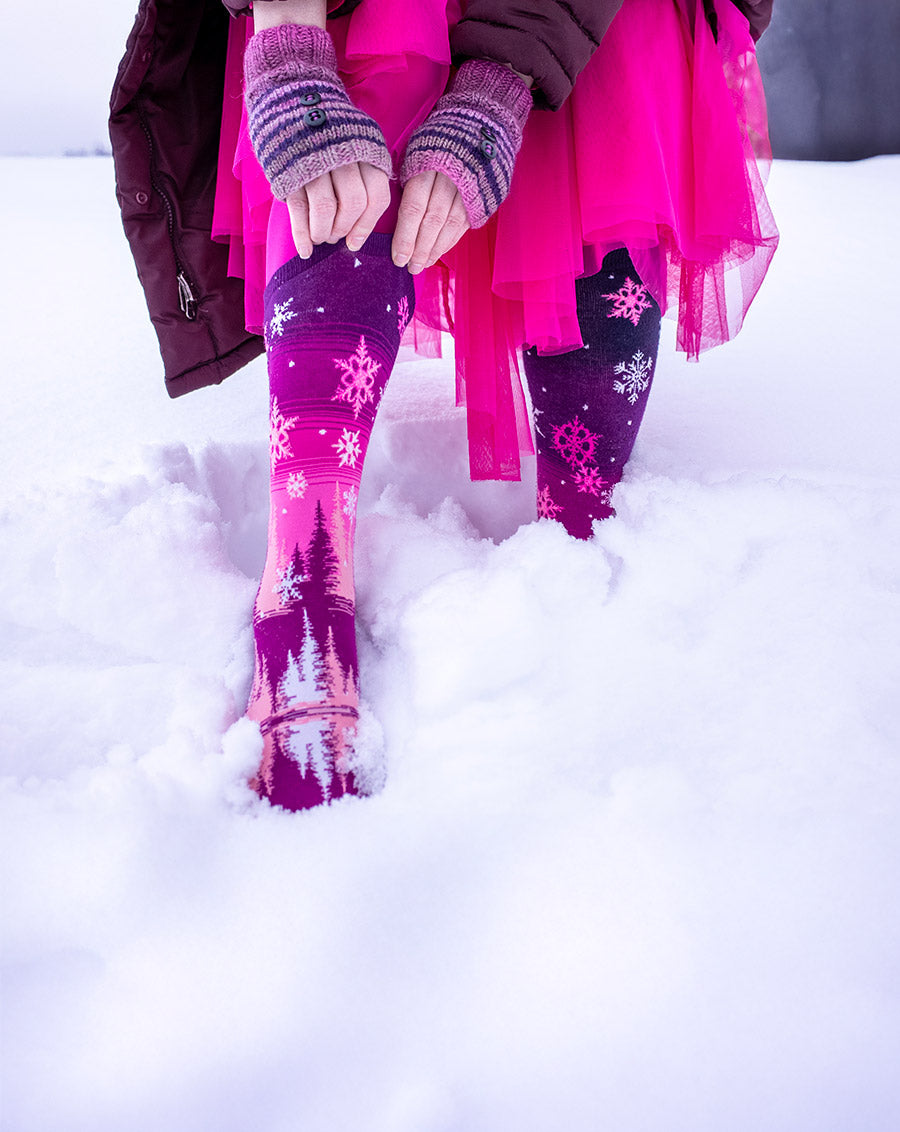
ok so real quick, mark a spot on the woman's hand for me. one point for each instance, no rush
(345, 202)
(432, 218)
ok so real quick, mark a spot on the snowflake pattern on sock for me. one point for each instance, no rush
(575, 442)
(546, 508)
(402, 315)
(297, 485)
(351, 498)
(630, 301)
(287, 588)
(347, 448)
(357, 380)
(281, 314)
(589, 481)
(634, 376)
(279, 437)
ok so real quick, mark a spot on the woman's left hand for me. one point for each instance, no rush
(345, 202)
(431, 219)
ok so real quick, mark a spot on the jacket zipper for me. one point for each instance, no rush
(187, 301)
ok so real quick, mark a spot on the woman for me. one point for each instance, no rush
(635, 190)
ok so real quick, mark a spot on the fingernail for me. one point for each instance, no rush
(415, 268)
(401, 260)
(355, 243)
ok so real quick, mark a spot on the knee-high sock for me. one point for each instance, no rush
(589, 403)
(333, 325)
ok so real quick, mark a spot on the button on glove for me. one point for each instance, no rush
(473, 136)
(300, 120)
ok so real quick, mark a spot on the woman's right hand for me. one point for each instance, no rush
(345, 203)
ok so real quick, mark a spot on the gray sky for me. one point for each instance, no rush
(825, 89)
(57, 100)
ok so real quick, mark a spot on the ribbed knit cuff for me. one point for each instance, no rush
(493, 87)
(285, 52)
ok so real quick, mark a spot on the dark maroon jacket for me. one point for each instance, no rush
(553, 42)
(165, 111)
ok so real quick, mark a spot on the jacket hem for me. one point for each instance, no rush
(215, 370)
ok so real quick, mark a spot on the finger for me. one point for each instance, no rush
(378, 197)
(413, 204)
(443, 194)
(350, 193)
(298, 211)
(322, 208)
(455, 226)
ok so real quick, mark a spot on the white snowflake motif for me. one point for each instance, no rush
(402, 315)
(297, 484)
(288, 585)
(630, 301)
(281, 315)
(546, 508)
(350, 499)
(279, 440)
(575, 442)
(348, 448)
(635, 376)
(589, 481)
(358, 379)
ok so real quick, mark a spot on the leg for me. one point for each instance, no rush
(589, 403)
(333, 325)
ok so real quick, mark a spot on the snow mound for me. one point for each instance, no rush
(630, 858)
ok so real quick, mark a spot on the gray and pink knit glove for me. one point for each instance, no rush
(300, 120)
(473, 136)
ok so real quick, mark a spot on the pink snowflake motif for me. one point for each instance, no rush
(297, 484)
(575, 442)
(589, 481)
(348, 448)
(279, 439)
(357, 382)
(630, 301)
(402, 315)
(546, 508)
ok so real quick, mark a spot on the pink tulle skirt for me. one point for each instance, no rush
(661, 148)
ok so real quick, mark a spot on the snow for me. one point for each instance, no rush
(634, 865)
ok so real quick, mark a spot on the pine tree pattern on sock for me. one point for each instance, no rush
(589, 403)
(332, 334)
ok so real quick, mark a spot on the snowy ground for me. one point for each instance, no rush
(635, 866)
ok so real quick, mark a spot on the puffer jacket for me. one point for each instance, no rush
(553, 41)
(165, 110)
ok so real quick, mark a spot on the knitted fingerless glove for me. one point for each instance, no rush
(300, 120)
(473, 135)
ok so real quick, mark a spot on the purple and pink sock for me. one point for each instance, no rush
(333, 325)
(589, 403)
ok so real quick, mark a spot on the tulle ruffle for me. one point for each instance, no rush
(661, 148)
